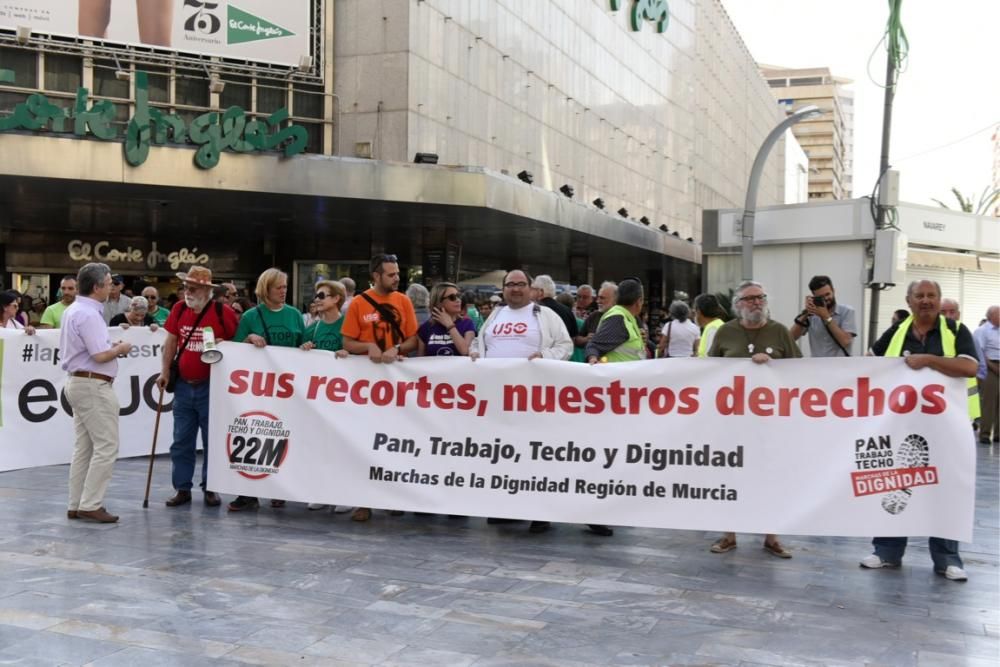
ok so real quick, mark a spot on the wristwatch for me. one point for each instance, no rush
(829, 319)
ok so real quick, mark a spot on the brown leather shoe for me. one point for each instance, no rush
(100, 515)
(71, 514)
(212, 499)
(183, 497)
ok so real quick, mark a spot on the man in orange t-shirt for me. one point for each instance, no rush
(381, 322)
(386, 333)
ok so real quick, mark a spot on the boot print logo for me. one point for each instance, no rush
(895, 474)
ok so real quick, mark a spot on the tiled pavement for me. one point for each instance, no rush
(194, 586)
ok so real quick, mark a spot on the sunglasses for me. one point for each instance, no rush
(320, 296)
(452, 297)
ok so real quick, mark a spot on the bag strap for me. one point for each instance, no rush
(187, 340)
(666, 346)
(267, 332)
(386, 315)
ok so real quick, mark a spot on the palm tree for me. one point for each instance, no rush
(986, 200)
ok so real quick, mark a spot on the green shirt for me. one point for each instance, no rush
(160, 315)
(284, 327)
(325, 336)
(732, 340)
(53, 314)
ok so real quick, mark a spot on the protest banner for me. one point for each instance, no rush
(860, 446)
(36, 423)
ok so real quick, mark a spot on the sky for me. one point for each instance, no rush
(950, 87)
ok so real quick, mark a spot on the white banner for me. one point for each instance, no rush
(860, 446)
(256, 30)
(36, 426)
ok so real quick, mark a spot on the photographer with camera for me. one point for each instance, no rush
(830, 324)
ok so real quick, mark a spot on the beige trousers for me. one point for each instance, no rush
(95, 419)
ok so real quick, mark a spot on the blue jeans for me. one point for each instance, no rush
(943, 552)
(190, 414)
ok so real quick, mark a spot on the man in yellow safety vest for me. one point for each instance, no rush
(926, 339)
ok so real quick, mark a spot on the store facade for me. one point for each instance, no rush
(150, 159)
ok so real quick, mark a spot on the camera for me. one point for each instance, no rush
(819, 302)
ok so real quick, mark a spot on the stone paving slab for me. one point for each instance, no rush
(196, 585)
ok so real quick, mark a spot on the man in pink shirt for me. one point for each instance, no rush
(91, 360)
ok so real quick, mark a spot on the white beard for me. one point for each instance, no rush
(754, 316)
(195, 304)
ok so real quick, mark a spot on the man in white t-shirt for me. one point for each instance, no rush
(524, 330)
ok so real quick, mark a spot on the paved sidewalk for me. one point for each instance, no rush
(194, 586)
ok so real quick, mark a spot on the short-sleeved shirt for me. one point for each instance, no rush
(160, 315)
(115, 307)
(84, 334)
(932, 343)
(121, 319)
(284, 328)
(325, 336)
(364, 323)
(682, 337)
(437, 340)
(53, 314)
(773, 339)
(514, 333)
(180, 323)
(821, 342)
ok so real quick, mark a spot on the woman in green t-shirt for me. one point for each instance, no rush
(271, 322)
(324, 332)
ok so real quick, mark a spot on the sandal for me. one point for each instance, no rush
(777, 549)
(361, 514)
(722, 545)
(277, 503)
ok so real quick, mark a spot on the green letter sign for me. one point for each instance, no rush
(649, 10)
(212, 132)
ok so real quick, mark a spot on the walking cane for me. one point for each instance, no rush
(152, 454)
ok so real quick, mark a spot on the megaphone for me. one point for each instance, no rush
(210, 354)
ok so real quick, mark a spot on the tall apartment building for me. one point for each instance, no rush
(829, 139)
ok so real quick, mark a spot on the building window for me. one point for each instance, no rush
(8, 101)
(106, 84)
(24, 64)
(777, 83)
(272, 94)
(63, 73)
(806, 81)
(315, 131)
(236, 93)
(307, 101)
(158, 79)
(191, 90)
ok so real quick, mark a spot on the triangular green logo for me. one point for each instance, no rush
(245, 27)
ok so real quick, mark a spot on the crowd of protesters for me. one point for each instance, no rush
(529, 320)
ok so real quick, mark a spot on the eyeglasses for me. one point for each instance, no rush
(522, 284)
(320, 296)
(152, 298)
(753, 297)
(452, 297)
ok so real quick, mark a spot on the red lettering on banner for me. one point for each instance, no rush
(837, 403)
(903, 399)
(869, 482)
(262, 384)
(934, 399)
(238, 382)
(813, 403)
(689, 401)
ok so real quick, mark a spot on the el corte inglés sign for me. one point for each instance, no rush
(212, 132)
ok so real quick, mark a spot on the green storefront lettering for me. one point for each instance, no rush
(212, 132)
(646, 10)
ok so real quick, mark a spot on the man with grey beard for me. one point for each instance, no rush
(755, 335)
(187, 323)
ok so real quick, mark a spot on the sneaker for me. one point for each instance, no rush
(315, 506)
(874, 562)
(954, 573)
(244, 503)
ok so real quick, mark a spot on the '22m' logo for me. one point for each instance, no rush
(202, 20)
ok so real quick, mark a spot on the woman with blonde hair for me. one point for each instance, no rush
(271, 322)
(446, 333)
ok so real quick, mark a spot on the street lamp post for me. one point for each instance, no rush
(750, 207)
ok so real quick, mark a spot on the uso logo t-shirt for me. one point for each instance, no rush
(513, 333)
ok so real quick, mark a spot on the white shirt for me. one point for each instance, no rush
(514, 333)
(682, 338)
(12, 323)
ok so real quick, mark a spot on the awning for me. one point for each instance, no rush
(941, 259)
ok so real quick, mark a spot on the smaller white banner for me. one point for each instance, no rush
(36, 423)
(860, 446)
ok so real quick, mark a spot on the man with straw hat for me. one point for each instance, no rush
(187, 322)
